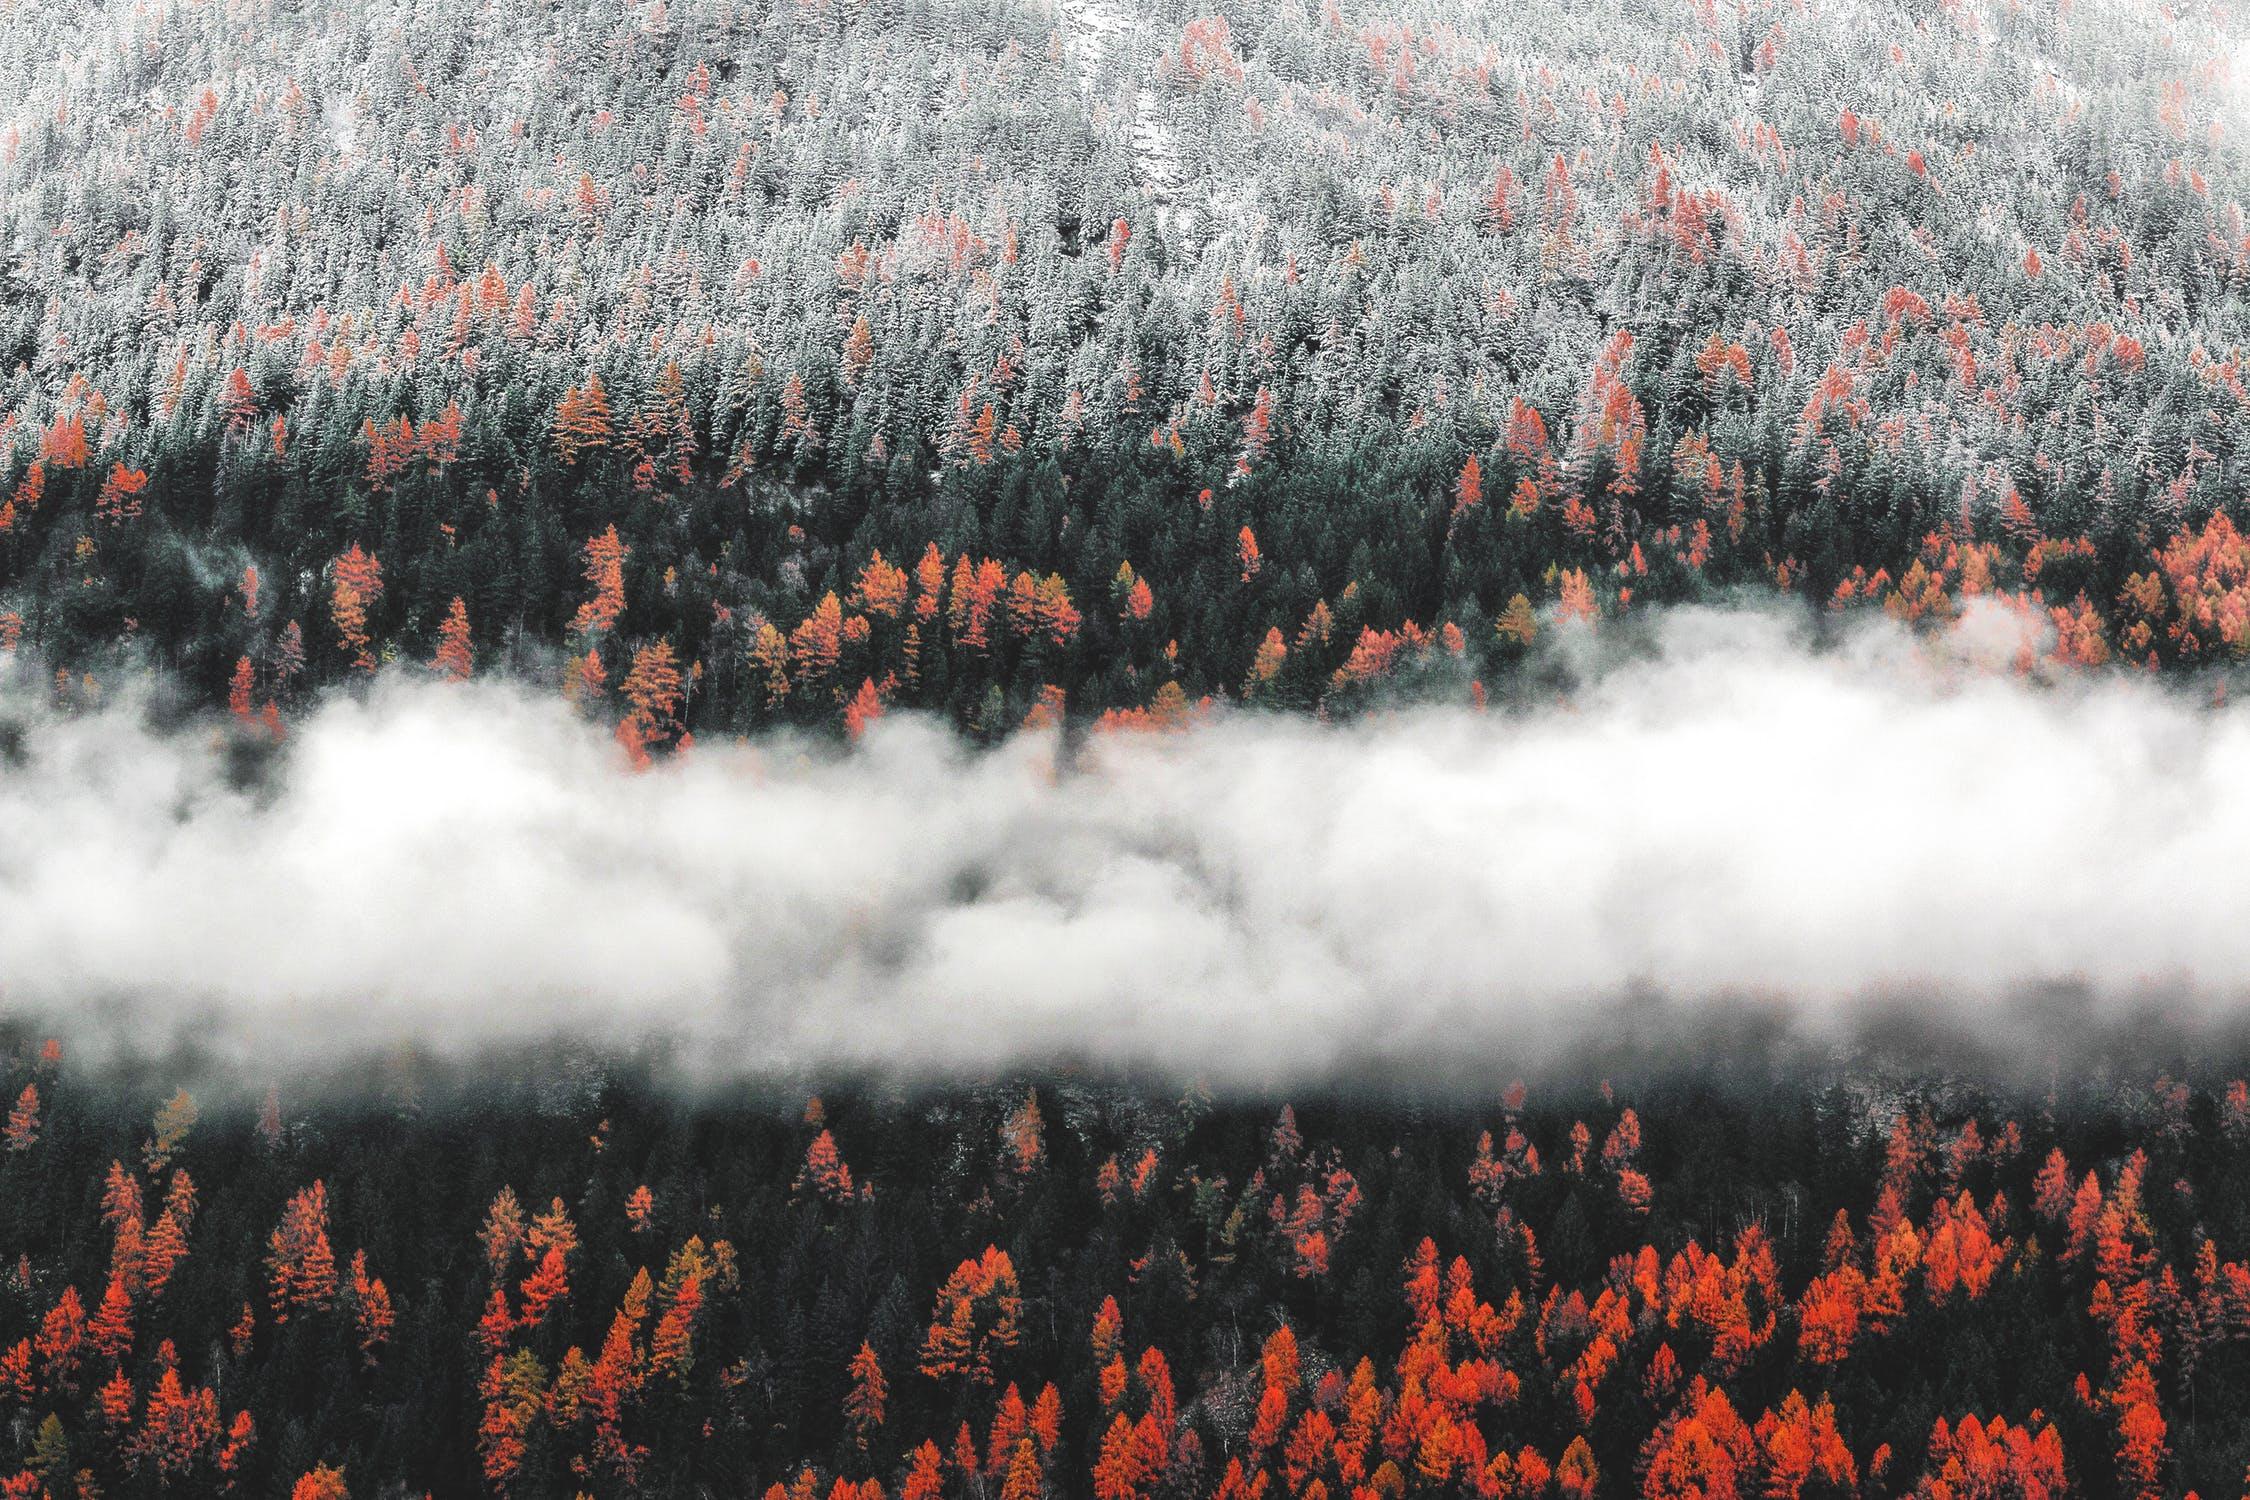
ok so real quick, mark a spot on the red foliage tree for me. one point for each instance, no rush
(372, 1314)
(357, 583)
(22, 1131)
(300, 1264)
(605, 570)
(455, 659)
(583, 421)
(976, 1319)
(863, 1403)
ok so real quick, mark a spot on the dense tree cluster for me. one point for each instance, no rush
(729, 361)
(565, 1281)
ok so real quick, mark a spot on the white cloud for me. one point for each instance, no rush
(1729, 813)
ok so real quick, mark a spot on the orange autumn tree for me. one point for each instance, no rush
(356, 585)
(61, 1342)
(372, 1314)
(881, 588)
(180, 1429)
(322, 1483)
(866, 706)
(300, 1264)
(1703, 1449)
(653, 694)
(547, 1285)
(1468, 489)
(166, 1244)
(605, 570)
(817, 644)
(582, 420)
(503, 1231)
(1137, 1457)
(2006, 1462)
(671, 1347)
(826, 1174)
(63, 444)
(240, 688)
(111, 1330)
(239, 401)
(511, 1390)
(1801, 1451)
(863, 1404)
(1041, 607)
(119, 499)
(23, 1121)
(972, 595)
(455, 660)
(975, 1320)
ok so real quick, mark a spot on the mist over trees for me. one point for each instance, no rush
(727, 364)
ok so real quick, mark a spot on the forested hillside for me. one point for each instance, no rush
(557, 1280)
(725, 363)
(699, 369)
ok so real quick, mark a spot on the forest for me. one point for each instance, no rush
(728, 365)
(559, 1276)
(743, 371)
